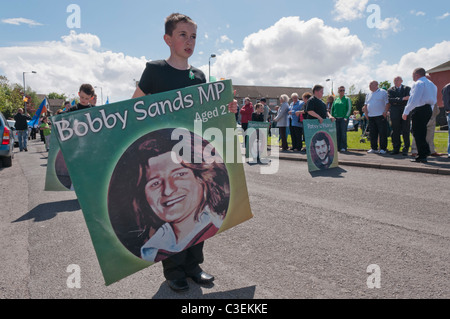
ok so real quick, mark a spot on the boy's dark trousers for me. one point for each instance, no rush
(184, 264)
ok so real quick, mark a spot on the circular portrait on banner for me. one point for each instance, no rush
(62, 173)
(322, 150)
(167, 194)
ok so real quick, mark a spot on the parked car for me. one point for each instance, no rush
(351, 125)
(12, 125)
(6, 142)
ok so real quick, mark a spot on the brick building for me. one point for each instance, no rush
(440, 76)
(271, 93)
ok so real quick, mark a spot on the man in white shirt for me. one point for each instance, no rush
(431, 128)
(376, 107)
(423, 96)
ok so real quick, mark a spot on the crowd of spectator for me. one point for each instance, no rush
(382, 116)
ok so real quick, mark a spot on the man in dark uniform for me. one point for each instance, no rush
(398, 98)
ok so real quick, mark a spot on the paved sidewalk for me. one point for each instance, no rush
(435, 165)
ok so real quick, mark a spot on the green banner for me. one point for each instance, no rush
(155, 175)
(57, 177)
(321, 144)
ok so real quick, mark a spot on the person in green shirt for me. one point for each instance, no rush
(45, 128)
(341, 110)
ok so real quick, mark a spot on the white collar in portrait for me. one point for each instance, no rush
(165, 239)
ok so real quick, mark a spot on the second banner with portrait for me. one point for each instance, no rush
(321, 144)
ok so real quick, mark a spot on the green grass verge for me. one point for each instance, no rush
(353, 141)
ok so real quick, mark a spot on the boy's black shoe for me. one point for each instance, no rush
(203, 278)
(178, 285)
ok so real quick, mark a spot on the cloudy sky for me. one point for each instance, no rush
(273, 43)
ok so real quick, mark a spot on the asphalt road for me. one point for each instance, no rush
(312, 236)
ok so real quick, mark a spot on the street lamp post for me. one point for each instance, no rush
(209, 76)
(332, 88)
(24, 92)
(101, 91)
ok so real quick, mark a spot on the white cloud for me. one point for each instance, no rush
(224, 39)
(19, 21)
(389, 26)
(291, 52)
(348, 10)
(363, 71)
(417, 13)
(445, 15)
(300, 53)
(424, 57)
(62, 66)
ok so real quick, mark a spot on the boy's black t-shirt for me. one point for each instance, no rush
(159, 77)
(79, 107)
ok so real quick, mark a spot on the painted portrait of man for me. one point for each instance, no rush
(161, 202)
(322, 150)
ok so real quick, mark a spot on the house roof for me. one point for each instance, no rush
(51, 102)
(270, 92)
(440, 68)
(55, 102)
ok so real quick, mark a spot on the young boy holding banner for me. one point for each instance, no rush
(166, 75)
(86, 94)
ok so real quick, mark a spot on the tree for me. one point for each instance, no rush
(34, 100)
(57, 96)
(352, 90)
(384, 85)
(11, 97)
(358, 101)
(5, 106)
